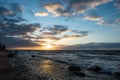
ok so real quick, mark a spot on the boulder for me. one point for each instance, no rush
(33, 56)
(95, 68)
(116, 74)
(74, 68)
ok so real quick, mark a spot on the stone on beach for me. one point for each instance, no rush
(95, 68)
(74, 68)
(117, 74)
(33, 56)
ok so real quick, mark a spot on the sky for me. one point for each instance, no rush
(60, 24)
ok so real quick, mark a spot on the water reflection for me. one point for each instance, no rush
(51, 69)
(46, 67)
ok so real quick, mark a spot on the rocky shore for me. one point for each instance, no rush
(14, 67)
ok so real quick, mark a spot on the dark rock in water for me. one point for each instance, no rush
(79, 73)
(33, 56)
(74, 68)
(117, 74)
(95, 68)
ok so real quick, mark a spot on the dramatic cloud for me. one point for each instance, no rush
(16, 42)
(93, 46)
(54, 22)
(81, 6)
(12, 30)
(17, 30)
(41, 14)
(56, 29)
(4, 11)
(93, 17)
(10, 21)
(73, 7)
(52, 8)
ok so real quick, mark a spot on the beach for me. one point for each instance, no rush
(7, 72)
(26, 65)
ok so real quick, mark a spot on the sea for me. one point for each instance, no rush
(53, 65)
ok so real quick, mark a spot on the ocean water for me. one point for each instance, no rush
(52, 65)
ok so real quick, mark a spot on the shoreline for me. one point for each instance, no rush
(29, 67)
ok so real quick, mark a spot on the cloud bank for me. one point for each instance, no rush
(93, 46)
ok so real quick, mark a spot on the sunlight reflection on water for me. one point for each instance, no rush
(46, 67)
(51, 70)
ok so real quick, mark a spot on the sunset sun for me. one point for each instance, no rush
(48, 46)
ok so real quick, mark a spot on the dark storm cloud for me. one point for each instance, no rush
(11, 12)
(17, 30)
(10, 21)
(15, 42)
(12, 30)
(93, 46)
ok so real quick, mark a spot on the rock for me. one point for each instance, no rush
(79, 73)
(117, 74)
(95, 68)
(33, 56)
(74, 68)
(11, 55)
